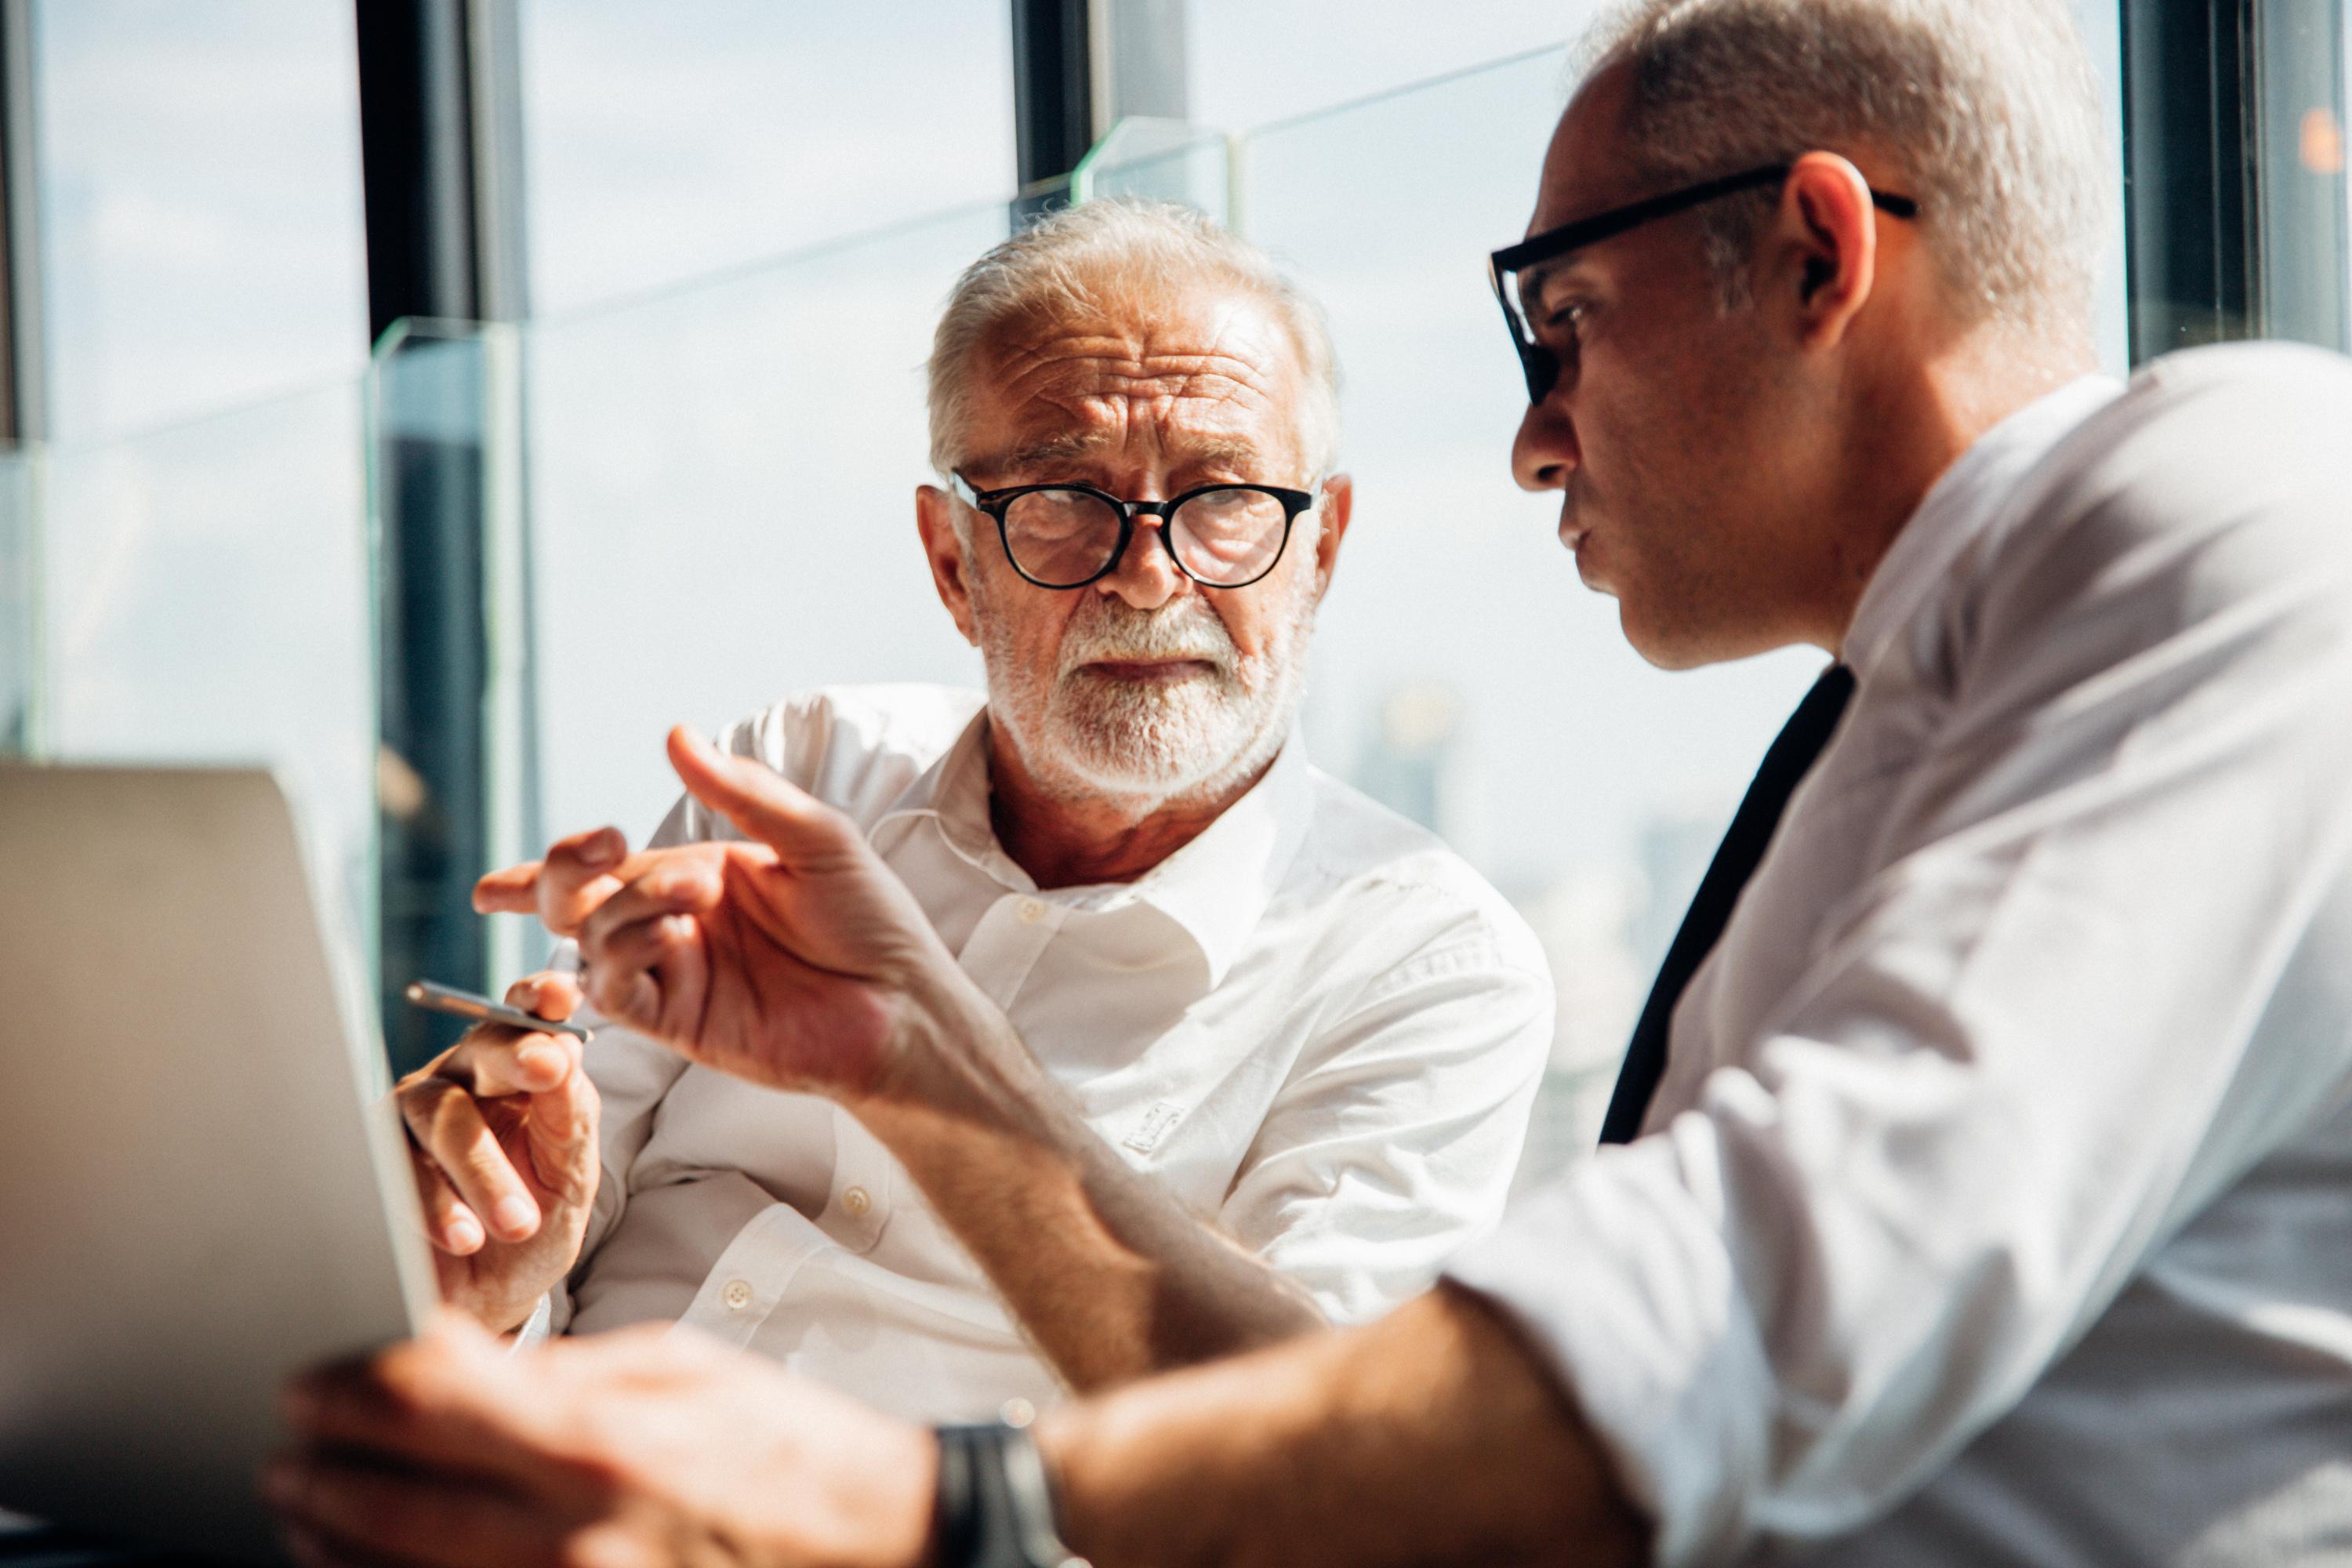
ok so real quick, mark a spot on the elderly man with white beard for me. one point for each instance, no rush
(1274, 1048)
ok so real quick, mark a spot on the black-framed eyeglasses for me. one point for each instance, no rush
(1066, 536)
(1505, 266)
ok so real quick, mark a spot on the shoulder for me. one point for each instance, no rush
(2219, 483)
(857, 748)
(1377, 879)
(2213, 433)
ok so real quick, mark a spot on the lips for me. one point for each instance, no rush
(1151, 671)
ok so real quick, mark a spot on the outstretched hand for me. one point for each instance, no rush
(641, 1446)
(797, 960)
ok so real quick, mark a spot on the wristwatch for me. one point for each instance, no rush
(995, 1507)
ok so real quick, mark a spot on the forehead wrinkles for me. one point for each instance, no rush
(1227, 379)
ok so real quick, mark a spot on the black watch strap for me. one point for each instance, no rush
(994, 1507)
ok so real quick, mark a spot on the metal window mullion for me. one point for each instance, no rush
(1053, 88)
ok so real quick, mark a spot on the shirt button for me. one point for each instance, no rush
(857, 1200)
(1030, 910)
(737, 1294)
(1017, 1413)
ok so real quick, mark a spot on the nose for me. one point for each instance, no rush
(1546, 450)
(1146, 576)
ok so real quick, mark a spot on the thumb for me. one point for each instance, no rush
(756, 799)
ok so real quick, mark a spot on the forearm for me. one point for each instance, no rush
(1111, 1277)
(1432, 1436)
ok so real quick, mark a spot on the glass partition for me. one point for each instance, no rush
(665, 143)
(206, 595)
(722, 506)
(20, 638)
(1162, 160)
(2304, 251)
(200, 230)
(1254, 61)
(456, 728)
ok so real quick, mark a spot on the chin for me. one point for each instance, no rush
(1667, 646)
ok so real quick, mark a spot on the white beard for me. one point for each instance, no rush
(1081, 732)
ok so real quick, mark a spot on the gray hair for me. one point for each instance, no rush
(1986, 108)
(1079, 260)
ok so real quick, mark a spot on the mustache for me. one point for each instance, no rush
(1111, 630)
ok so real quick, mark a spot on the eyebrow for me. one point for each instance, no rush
(1071, 446)
(1056, 448)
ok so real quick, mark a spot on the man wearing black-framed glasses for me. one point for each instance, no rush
(1982, 1187)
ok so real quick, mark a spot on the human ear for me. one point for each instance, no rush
(1333, 508)
(1822, 257)
(943, 549)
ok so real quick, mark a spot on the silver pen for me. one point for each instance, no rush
(442, 998)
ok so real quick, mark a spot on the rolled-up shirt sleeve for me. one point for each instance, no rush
(2095, 973)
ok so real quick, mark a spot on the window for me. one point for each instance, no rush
(669, 141)
(203, 242)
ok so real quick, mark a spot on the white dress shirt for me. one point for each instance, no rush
(1996, 1205)
(1314, 1024)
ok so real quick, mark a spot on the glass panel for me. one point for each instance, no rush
(722, 506)
(458, 791)
(666, 141)
(2307, 249)
(2100, 23)
(207, 600)
(199, 181)
(1256, 60)
(19, 632)
(1160, 159)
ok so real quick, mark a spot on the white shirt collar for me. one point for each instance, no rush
(1213, 890)
(1959, 506)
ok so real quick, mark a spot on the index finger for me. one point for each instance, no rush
(512, 890)
(759, 801)
(579, 873)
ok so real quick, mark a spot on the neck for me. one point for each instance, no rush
(1911, 425)
(1065, 838)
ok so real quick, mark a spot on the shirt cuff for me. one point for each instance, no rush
(1620, 1281)
(537, 1328)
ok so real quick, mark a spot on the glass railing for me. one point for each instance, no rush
(722, 505)
(453, 598)
(205, 598)
(20, 633)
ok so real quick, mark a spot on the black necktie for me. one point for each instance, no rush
(1799, 741)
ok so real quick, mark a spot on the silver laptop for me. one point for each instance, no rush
(200, 1191)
